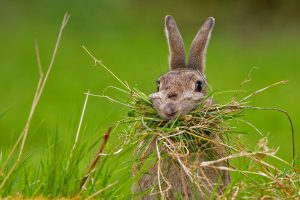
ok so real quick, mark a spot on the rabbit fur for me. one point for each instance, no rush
(179, 91)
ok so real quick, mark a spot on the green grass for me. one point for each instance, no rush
(135, 49)
(63, 166)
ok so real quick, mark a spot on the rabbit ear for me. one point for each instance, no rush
(175, 42)
(199, 45)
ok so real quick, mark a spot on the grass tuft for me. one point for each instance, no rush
(80, 170)
(209, 131)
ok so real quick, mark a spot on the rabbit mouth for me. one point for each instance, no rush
(170, 111)
(171, 115)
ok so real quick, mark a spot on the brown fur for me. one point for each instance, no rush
(178, 95)
(176, 46)
(177, 88)
(199, 46)
(210, 178)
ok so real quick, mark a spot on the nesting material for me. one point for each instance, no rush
(253, 168)
(201, 144)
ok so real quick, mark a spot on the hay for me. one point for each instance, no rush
(207, 131)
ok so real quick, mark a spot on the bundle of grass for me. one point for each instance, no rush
(180, 147)
(201, 150)
(199, 145)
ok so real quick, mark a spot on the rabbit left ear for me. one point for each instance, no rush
(176, 46)
(199, 45)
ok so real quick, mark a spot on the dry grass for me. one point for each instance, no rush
(209, 131)
(20, 143)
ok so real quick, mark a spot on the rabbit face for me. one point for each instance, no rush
(183, 87)
(179, 92)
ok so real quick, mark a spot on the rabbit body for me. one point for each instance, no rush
(180, 185)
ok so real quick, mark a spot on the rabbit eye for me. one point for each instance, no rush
(158, 84)
(198, 86)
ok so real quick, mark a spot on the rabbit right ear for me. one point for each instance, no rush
(176, 46)
(199, 45)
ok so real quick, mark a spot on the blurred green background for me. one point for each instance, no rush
(128, 37)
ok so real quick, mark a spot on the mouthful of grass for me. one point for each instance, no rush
(208, 131)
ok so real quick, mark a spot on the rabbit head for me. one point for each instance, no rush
(184, 86)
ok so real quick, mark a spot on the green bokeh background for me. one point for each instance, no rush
(128, 37)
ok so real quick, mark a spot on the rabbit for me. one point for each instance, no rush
(179, 92)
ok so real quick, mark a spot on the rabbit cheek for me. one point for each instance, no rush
(157, 104)
(187, 107)
(193, 97)
(189, 102)
(198, 96)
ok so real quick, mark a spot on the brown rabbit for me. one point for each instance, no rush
(179, 91)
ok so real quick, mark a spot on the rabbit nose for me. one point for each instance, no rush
(172, 95)
(170, 109)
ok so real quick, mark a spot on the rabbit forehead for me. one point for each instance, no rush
(180, 77)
